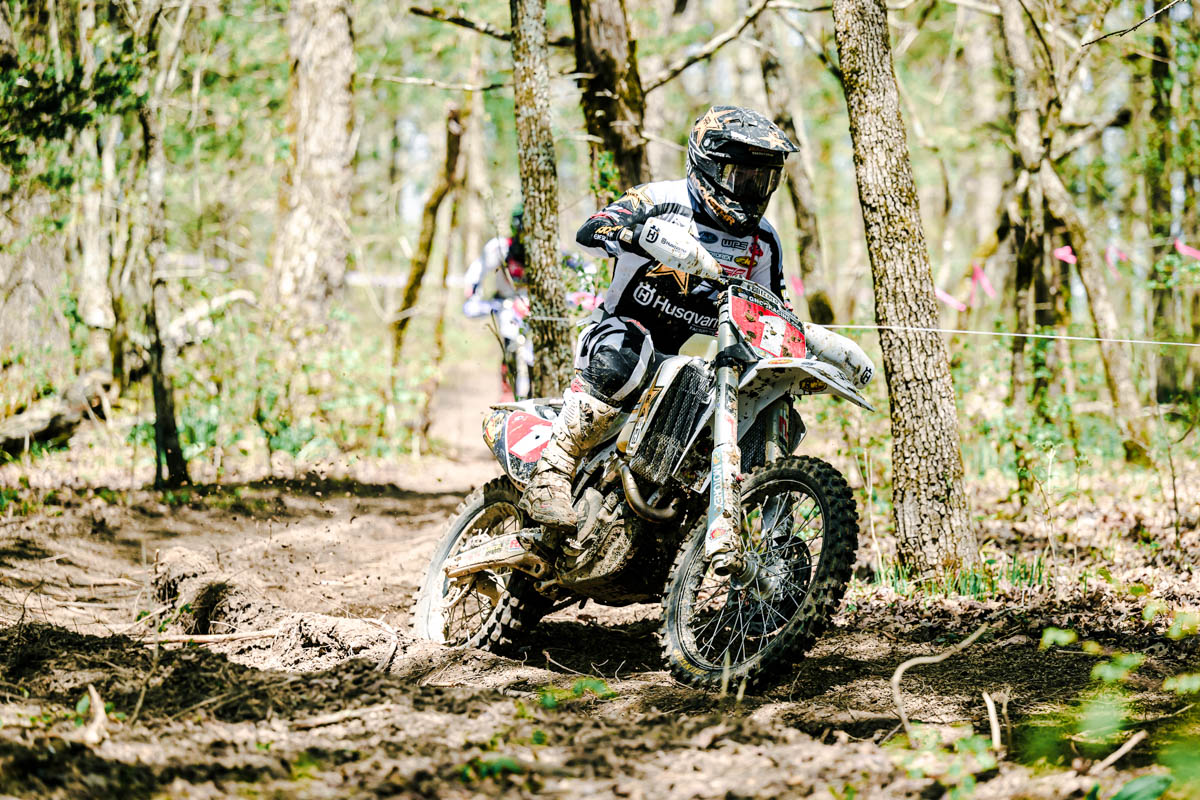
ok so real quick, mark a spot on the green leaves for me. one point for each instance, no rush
(1147, 787)
(1057, 637)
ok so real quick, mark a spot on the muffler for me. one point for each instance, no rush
(507, 550)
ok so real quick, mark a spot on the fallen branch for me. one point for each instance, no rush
(993, 720)
(1116, 755)
(96, 730)
(340, 716)
(453, 87)
(713, 45)
(212, 638)
(486, 28)
(1131, 28)
(53, 420)
(919, 660)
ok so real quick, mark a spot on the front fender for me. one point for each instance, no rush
(810, 377)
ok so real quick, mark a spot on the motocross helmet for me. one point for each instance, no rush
(734, 162)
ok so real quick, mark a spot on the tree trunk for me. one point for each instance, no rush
(929, 503)
(799, 181)
(612, 100)
(1159, 168)
(552, 331)
(168, 455)
(420, 260)
(1118, 370)
(313, 237)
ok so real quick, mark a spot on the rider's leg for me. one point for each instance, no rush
(612, 362)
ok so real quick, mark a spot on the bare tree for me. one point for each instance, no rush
(928, 499)
(612, 100)
(799, 180)
(446, 181)
(312, 241)
(552, 331)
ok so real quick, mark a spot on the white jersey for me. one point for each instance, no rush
(672, 305)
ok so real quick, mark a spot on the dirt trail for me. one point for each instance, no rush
(339, 700)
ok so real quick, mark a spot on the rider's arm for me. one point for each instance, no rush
(489, 261)
(598, 236)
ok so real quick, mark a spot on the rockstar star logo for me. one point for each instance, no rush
(710, 122)
(775, 140)
(663, 271)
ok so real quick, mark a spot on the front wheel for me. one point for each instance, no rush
(486, 609)
(801, 530)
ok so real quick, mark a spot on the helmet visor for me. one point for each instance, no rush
(749, 182)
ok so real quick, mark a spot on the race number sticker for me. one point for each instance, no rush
(772, 336)
(527, 436)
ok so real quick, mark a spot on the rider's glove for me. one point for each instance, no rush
(631, 230)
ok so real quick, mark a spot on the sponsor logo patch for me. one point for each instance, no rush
(733, 244)
(707, 237)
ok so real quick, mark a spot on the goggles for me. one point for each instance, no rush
(754, 182)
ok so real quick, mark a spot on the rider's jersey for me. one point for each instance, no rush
(672, 305)
(493, 275)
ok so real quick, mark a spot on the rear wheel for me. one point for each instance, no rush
(487, 609)
(799, 519)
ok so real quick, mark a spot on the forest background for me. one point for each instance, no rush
(249, 220)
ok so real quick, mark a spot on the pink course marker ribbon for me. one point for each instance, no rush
(1184, 250)
(949, 300)
(798, 286)
(1065, 253)
(1112, 255)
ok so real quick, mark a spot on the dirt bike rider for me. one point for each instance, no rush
(735, 160)
(497, 275)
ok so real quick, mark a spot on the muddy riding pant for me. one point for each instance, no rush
(614, 360)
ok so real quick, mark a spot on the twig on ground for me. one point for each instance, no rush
(1115, 756)
(340, 716)
(919, 660)
(96, 730)
(213, 638)
(993, 720)
(137, 708)
(546, 653)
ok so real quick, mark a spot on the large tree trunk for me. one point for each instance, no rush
(612, 100)
(930, 505)
(420, 260)
(552, 331)
(799, 181)
(313, 238)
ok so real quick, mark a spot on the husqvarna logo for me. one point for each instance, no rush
(644, 294)
(648, 296)
(652, 235)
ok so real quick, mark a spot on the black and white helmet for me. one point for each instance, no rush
(734, 162)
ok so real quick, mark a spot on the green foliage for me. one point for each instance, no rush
(489, 767)
(1147, 787)
(1057, 637)
(41, 108)
(550, 697)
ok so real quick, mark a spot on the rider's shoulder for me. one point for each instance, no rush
(657, 192)
(767, 231)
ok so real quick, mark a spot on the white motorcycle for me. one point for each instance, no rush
(694, 498)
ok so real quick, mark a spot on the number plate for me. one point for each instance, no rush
(765, 323)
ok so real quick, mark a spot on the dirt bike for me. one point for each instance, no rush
(693, 498)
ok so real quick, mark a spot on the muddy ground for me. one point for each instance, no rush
(327, 695)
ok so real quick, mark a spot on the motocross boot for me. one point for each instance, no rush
(579, 427)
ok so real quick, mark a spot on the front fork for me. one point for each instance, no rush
(724, 499)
